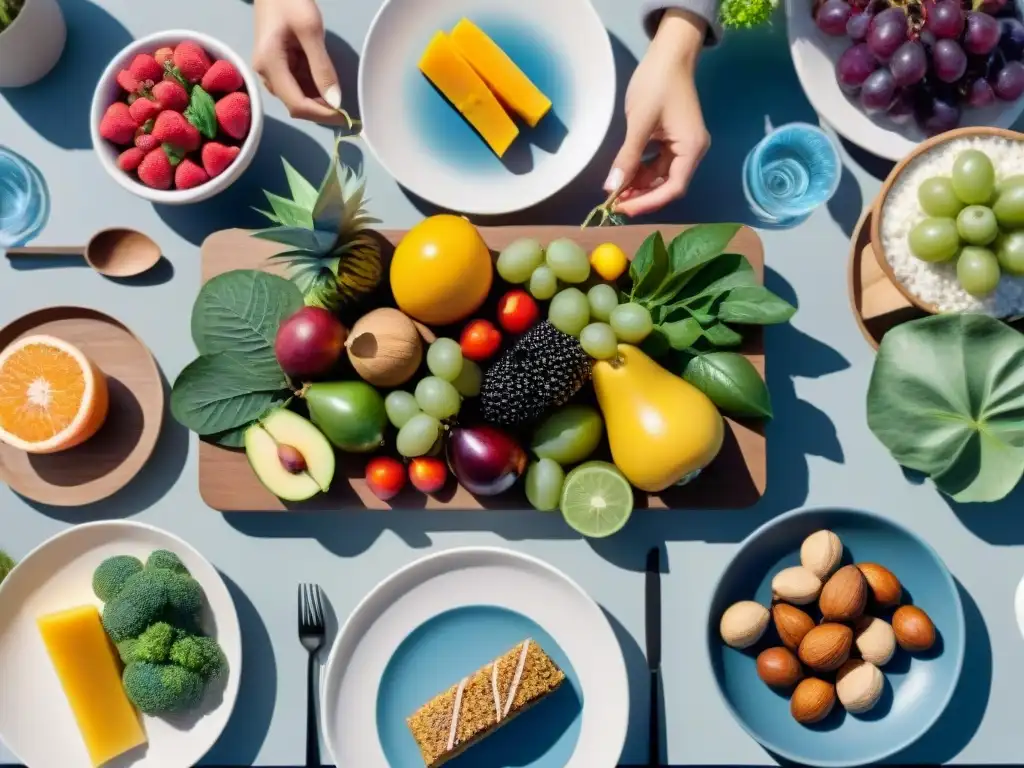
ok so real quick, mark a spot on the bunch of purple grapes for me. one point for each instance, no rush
(926, 60)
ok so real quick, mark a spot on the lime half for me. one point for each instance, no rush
(596, 499)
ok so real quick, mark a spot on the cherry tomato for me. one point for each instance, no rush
(385, 477)
(480, 340)
(427, 474)
(517, 312)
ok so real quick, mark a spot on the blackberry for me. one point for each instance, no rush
(542, 371)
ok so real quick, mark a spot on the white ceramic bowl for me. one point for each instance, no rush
(815, 55)
(107, 91)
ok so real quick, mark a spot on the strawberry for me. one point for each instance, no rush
(171, 95)
(191, 60)
(129, 160)
(146, 142)
(144, 67)
(222, 77)
(234, 112)
(217, 157)
(156, 170)
(128, 81)
(189, 174)
(117, 124)
(144, 109)
(162, 55)
(172, 128)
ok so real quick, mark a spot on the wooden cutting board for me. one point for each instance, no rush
(736, 479)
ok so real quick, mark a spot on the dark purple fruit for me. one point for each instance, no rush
(485, 460)
(309, 343)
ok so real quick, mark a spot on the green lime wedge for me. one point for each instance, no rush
(596, 499)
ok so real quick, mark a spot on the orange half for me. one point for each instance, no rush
(52, 397)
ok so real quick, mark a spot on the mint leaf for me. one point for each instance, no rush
(174, 154)
(147, 127)
(202, 113)
(174, 72)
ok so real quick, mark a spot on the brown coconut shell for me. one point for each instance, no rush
(385, 347)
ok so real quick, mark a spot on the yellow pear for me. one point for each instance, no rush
(660, 427)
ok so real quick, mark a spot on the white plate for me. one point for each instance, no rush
(467, 577)
(429, 149)
(1018, 606)
(815, 55)
(36, 722)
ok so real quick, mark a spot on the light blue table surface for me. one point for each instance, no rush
(820, 450)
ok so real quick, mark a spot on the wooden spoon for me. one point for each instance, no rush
(111, 252)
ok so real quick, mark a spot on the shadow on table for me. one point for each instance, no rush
(997, 522)
(150, 485)
(242, 739)
(879, 167)
(635, 749)
(58, 106)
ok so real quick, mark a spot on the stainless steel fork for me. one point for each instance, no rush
(312, 630)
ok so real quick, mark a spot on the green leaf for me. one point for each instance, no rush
(174, 72)
(732, 382)
(722, 336)
(700, 244)
(649, 267)
(754, 305)
(303, 193)
(288, 213)
(174, 155)
(723, 274)
(240, 311)
(222, 391)
(656, 344)
(946, 398)
(311, 240)
(232, 438)
(682, 333)
(201, 112)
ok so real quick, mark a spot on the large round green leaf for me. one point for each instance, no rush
(947, 399)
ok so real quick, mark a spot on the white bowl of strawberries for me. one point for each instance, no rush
(176, 117)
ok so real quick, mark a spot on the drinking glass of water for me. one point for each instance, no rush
(24, 200)
(791, 171)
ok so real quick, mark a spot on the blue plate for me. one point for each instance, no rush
(444, 650)
(918, 687)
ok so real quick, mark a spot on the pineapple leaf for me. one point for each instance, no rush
(303, 193)
(289, 213)
(329, 210)
(310, 241)
(271, 216)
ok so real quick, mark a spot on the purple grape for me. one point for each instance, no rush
(980, 93)
(1011, 41)
(854, 66)
(1009, 83)
(832, 17)
(902, 108)
(982, 33)
(949, 61)
(885, 36)
(909, 64)
(857, 26)
(945, 19)
(878, 91)
(938, 116)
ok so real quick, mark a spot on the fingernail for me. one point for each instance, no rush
(333, 96)
(614, 180)
(657, 182)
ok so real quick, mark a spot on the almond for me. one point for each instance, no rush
(820, 553)
(791, 623)
(885, 588)
(779, 668)
(743, 623)
(812, 700)
(914, 630)
(875, 640)
(826, 647)
(859, 685)
(844, 595)
(796, 585)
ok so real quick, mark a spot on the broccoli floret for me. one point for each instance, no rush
(184, 599)
(158, 689)
(202, 655)
(140, 602)
(110, 577)
(162, 559)
(126, 650)
(153, 645)
(6, 565)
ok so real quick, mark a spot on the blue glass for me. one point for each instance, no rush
(24, 200)
(456, 643)
(791, 171)
(445, 133)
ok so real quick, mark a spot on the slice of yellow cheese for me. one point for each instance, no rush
(462, 86)
(91, 677)
(508, 81)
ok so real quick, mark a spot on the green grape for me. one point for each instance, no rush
(603, 299)
(938, 198)
(1009, 181)
(1009, 207)
(544, 481)
(520, 257)
(977, 269)
(631, 323)
(569, 311)
(418, 435)
(974, 177)
(400, 407)
(468, 383)
(444, 359)
(543, 283)
(977, 225)
(935, 240)
(1010, 252)
(438, 398)
(568, 261)
(569, 435)
(599, 341)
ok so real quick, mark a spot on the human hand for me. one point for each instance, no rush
(290, 56)
(662, 105)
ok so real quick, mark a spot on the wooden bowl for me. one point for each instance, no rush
(883, 196)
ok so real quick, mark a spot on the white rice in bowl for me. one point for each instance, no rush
(936, 284)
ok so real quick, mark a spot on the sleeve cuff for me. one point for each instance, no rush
(706, 9)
